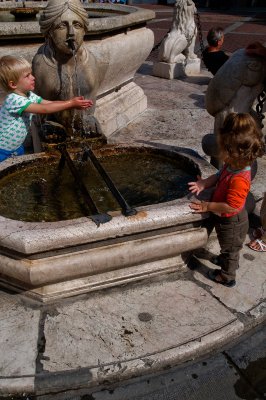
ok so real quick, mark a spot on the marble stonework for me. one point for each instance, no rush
(50, 260)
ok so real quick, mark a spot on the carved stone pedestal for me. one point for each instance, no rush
(168, 71)
(177, 70)
(192, 67)
(117, 109)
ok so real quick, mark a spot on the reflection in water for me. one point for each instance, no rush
(46, 193)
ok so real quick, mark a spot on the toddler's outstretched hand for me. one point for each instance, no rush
(196, 187)
(80, 103)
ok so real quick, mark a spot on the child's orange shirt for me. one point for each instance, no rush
(232, 188)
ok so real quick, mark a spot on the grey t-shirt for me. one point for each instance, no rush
(14, 123)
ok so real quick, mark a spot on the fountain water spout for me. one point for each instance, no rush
(71, 44)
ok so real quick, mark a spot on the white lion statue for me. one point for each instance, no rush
(180, 42)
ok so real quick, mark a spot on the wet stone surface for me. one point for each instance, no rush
(145, 317)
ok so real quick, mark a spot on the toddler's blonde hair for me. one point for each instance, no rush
(11, 69)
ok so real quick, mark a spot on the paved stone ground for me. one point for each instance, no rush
(91, 343)
(235, 373)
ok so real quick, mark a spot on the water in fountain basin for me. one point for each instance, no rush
(44, 193)
(76, 72)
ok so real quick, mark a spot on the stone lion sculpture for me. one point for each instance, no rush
(234, 88)
(180, 42)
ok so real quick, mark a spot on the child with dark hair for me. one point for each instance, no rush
(213, 56)
(240, 143)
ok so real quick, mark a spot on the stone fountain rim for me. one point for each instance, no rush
(133, 16)
(36, 237)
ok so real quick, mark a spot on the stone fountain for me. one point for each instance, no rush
(22, 13)
(50, 259)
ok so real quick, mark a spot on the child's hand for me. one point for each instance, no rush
(199, 206)
(196, 187)
(80, 103)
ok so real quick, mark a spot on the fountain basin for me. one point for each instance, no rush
(104, 17)
(24, 13)
(50, 260)
(45, 190)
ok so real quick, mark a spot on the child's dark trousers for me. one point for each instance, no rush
(231, 234)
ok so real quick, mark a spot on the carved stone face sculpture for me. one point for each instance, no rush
(60, 75)
(68, 27)
(64, 23)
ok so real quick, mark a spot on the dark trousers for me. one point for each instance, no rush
(231, 234)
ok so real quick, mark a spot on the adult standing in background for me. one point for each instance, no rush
(213, 56)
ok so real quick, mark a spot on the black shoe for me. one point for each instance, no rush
(216, 260)
(212, 274)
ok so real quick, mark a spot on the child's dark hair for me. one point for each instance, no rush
(214, 35)
(241, 140)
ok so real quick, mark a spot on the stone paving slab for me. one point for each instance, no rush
(236, 373)
(250, 291)
(18, 338)
(142, 321)
(121, 332)
(19, 331)
(175, 114)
